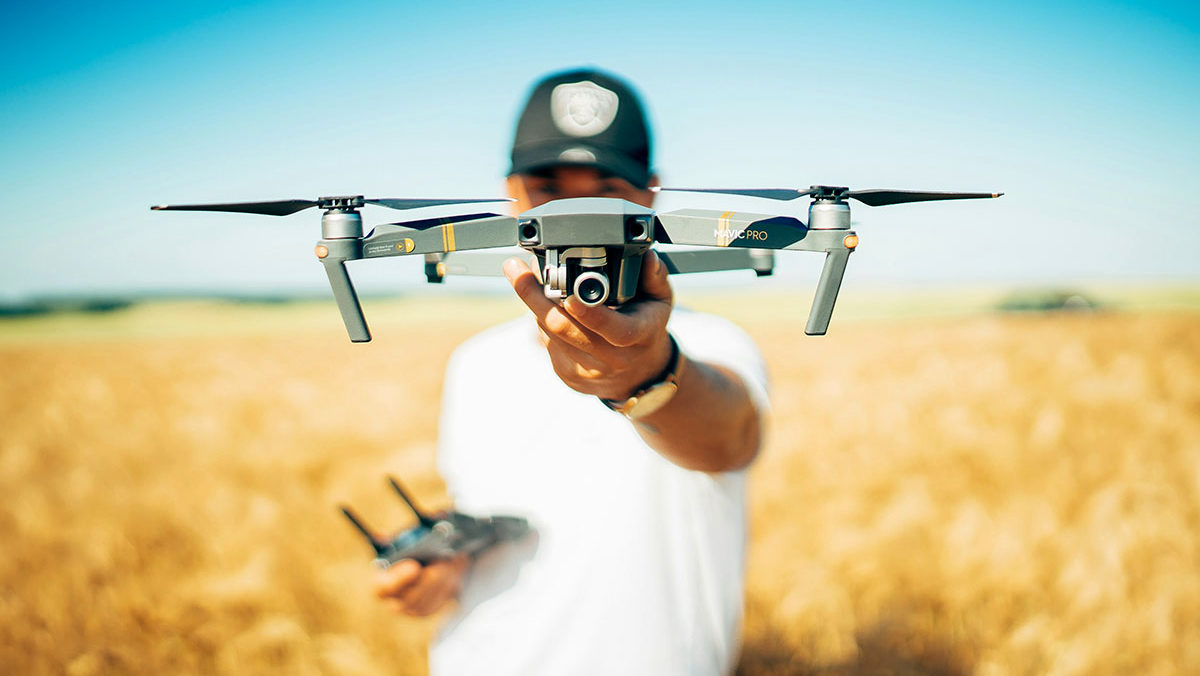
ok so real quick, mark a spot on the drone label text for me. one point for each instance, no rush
(759, 235)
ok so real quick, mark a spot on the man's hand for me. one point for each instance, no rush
(710, 425)
(412, 589)
(598, 350)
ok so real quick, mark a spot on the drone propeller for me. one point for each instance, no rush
(769, 193)
(402, 204)
(279, 208)
(882, 198)
(288, 207)
(871, 198)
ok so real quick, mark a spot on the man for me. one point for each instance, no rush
(635, 563)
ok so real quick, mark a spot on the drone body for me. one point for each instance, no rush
(441, 536)
(592, 247)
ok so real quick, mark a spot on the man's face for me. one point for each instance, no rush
(561, 182)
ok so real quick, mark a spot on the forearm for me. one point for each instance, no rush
(710, 425)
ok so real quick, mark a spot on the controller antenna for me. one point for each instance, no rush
(380, 547)
(426, 521)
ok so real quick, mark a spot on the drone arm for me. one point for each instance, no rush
(709, 260)
(707, 227)
(439, 266)
(431, 236)
(729, 229)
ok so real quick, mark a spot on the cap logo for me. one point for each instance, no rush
(583, 108)
(577, 155)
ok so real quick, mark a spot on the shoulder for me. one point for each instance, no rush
(718, 341)
(712, 336)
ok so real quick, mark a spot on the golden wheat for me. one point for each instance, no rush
(983, 495)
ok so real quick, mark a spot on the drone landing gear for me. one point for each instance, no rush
(827, 291)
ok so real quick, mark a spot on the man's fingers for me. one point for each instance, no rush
(561, 325)
(527, 286)
(647, 317)
(417, 598)
(590, 351)
(439, 583)
(655, 281)
(392, 581)
(591, 329)
(410, 588)
(555, 322)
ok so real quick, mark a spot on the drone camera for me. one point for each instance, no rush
(592, 287)
(527, 232)
(637, 229)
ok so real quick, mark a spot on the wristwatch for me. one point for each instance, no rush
(652, 395)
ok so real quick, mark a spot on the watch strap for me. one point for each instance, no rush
(664, 378)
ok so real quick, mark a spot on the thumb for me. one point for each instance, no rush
(654, 283)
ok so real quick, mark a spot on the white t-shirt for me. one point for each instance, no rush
(635, 565)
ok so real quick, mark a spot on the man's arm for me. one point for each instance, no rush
(711, 424)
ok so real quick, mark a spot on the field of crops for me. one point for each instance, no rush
(973, 493)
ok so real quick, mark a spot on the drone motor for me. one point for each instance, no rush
(577, 269)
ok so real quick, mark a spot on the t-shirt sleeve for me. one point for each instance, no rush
(716, 340)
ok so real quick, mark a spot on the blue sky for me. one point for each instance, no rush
(1085, 114)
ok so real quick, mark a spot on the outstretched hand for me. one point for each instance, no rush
(595, 349)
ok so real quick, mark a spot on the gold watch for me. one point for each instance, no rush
(654, 394)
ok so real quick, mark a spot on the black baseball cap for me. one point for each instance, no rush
(584, 117)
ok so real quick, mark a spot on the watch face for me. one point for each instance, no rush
(653, 399)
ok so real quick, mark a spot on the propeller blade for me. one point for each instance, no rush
(769, 193)
(881, 198)
(277, 208)
(288, 207)
(415, 203)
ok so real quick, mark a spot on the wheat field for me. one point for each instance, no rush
(953, 495)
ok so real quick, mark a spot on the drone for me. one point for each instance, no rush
(438, 536)
(591, 247)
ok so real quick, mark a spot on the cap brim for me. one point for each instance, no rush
(558, 153)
